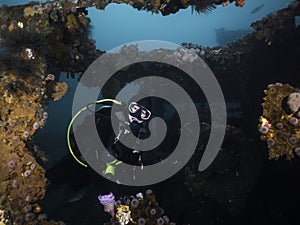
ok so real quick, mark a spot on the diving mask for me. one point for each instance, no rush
(138, 111)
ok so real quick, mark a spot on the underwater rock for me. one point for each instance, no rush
(49, 23)
(284, 128)
(22, 84)
(278, 26)
(166, 7)
(56, 90)
(33, 185)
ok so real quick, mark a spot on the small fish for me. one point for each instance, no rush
(255, 10)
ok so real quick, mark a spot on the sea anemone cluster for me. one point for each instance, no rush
(22, 183)
(23, 84)
(279, 124)
(16, 96)
(141, 210)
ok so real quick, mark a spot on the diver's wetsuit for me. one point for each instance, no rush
(113, 142)
(168, 191)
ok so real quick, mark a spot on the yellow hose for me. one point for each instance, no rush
(76, 115)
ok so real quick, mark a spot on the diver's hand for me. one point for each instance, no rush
(110, 208)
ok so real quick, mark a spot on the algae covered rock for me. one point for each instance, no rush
(56, 90)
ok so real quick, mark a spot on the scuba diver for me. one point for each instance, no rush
(134, 118)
